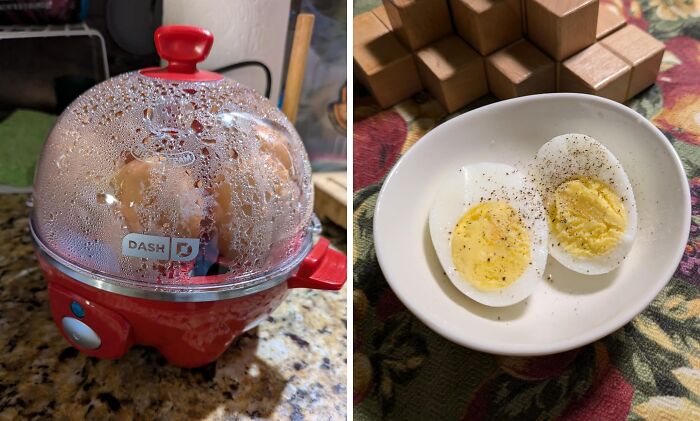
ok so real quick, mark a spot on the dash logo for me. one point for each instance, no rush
(160, 248)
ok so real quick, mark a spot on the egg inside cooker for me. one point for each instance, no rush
(210, 163)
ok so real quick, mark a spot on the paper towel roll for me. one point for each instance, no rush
(243, 30)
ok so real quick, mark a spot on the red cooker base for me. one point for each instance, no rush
(188, 334)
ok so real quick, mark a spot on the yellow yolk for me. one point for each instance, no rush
(490, 246)
(586, 217)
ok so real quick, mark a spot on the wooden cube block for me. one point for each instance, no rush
(561, 28)
(330, 196)
(609, 21)
(641, 51)
(366, 28)
(417, 23)
(596, 71)
(381, 63)
(520, 69)
(452, 71)
(523, 4)
(557, 66)
(488, 25)
(380, 13)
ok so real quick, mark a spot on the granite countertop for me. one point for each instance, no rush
(293, 366)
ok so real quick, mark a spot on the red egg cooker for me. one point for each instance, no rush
(172, 208)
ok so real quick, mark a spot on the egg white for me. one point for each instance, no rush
(577, 155)
(466, 187)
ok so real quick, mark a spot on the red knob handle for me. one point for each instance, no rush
(183, 46)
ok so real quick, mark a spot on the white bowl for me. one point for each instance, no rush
(573, 309)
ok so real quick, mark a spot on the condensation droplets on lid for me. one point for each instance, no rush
(160, 182)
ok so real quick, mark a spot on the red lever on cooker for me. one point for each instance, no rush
(323, 268)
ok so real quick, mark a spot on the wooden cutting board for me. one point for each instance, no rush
(331, 196)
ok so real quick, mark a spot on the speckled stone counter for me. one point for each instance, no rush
(293, 366)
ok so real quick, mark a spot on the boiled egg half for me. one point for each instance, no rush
(591, 212)
(489, 230)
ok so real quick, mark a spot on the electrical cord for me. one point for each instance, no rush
(268, 74)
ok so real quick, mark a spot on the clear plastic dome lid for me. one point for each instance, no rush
(165, 176)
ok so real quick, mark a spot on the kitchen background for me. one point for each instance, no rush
(294, 363)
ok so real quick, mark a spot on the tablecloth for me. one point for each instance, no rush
(649, 369)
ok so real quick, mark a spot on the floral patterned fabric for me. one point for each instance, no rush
(649, 369)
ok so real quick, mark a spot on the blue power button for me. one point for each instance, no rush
(77, 309)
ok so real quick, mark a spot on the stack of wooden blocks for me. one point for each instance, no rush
(459, 50)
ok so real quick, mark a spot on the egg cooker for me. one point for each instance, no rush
(172, 208)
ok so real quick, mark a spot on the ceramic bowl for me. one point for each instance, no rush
(573, 309)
